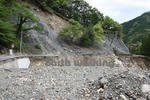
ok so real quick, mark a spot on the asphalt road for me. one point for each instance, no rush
(6, 57)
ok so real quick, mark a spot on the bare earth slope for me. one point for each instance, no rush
(51, 43)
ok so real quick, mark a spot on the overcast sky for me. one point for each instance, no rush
(121, 10)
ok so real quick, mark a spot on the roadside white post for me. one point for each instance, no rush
(11, 52)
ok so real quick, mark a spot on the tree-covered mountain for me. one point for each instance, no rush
(135, 31)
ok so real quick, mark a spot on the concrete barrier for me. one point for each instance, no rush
(23, 62)
(15, 63)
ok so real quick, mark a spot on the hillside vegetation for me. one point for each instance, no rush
(86, 24)
(14, 17)
(136, 32)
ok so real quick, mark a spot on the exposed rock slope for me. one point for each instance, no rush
(51, 44)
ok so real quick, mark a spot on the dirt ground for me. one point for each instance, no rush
(73, 83)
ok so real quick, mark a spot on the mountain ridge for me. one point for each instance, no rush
(136, 30)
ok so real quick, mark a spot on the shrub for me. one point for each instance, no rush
(112, 27)
(88, 37)
(38, 46)
(98, 32)
(74, 32)
(92, 35)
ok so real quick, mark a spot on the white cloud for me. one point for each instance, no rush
(121, 10)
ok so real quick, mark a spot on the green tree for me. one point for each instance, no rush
(145, 49)
(92, 35)
(95, 16)
(86, 14)
(112, 27)
(8, 3)
(12, 10)
(78, 10)
(88, 37)
(98, 32)
(7, 35)
(76, 33)
(108, 24)
(24, 15)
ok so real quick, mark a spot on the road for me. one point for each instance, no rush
(6, 57)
